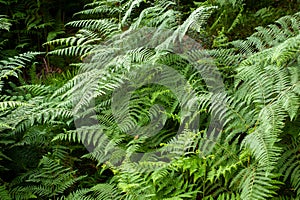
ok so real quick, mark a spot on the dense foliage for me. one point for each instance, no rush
(143, 99)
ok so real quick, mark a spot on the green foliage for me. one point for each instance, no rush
(4, 23)
(49, 180)
(163, 113)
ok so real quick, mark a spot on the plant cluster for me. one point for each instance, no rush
(164, 100)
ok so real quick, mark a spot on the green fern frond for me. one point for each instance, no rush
(99, 9)
(11, 104)
(70, 41)
(270, 36)
(11, 66)
(254, 183)
(160, 15)
(4, 23)
(37, 90)
(288, 164)
(4, 193)
(97, 192)
(104, 26)
(286, 51)
(72, 51)
(49, 180)
(131, 5)
(226, 196)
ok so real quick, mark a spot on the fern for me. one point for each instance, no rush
(11, 66)
(4, 193)
(50, 180)
(4, 23)
(152, 111)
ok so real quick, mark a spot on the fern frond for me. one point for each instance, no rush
(4, 23)
(72, 51)
(37, 90)
(99, 9)
(11, 104)
(4, 193)
(49, 180)
(131, 4)
(254, 183)
(11, 66)
(228, 196)
(103, 26)
(286, 51)
(270, 36)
